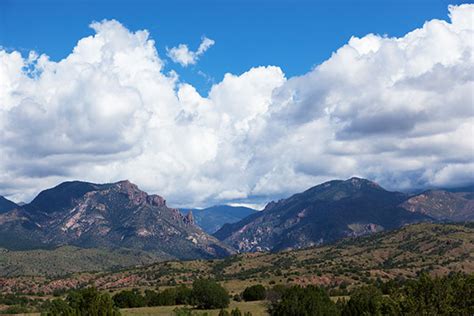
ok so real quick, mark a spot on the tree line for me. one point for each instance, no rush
(449, 295)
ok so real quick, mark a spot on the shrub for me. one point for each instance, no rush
(86, 301)
(183, 295)
(56, 307)
(15, 310)
(299, 301)
(129, 298)
(207, 294)
(166, 297)
(254, 293)
(365, 301)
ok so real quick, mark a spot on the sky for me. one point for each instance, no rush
(243, 102)
(294, 35)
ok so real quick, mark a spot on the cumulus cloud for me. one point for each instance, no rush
(399, 111)
(182, 55)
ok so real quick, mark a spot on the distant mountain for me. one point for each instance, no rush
(322, 214)
(6, 205)
(212, 218)
(450, 204)
(117, 215)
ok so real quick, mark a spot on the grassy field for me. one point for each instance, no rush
(256, 308)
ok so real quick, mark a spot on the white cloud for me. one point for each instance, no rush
(397, 110)
(182, 55)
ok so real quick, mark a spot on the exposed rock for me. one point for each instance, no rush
(322, 214)
(443, 204)
(189, 219)
(108, 215)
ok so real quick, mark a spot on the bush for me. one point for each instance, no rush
(184, 295)
(166, 298)
(451, 295)
(87, 301)
(368, 301)
(275, 293)
(299, 301)
(128, 299)
(207, 294)
(254, 293)
(15, 310)
(57, 307)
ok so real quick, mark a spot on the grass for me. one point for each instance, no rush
(257, 308)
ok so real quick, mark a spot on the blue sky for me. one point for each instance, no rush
(295, 35)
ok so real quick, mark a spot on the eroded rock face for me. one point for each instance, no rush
(443, 205)
(111, 215)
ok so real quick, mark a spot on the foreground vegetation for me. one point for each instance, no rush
(391, 267)
(449, 295)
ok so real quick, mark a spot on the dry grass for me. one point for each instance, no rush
(256, 308)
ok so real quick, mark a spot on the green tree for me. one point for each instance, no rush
(364, 301)
(299, 301)
(92, 302)
(184, 295)
(151, 298)
(254, 293)
(208, 294)
(451, 295)
(56, 307)
(129, 298)
(84, 302)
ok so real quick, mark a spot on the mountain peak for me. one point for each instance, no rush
(356, 181)
(6, 205)
(321, 214)
(138, 196)
(110, 215)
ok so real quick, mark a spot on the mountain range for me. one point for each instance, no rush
(119, 218)
(338, 209)
(116, 215)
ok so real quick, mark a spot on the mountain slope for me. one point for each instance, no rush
(211, 219)
(108, 216)
(67, 259)
(6, 205)
(400, 254)
(453, 205)
(322, 214)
